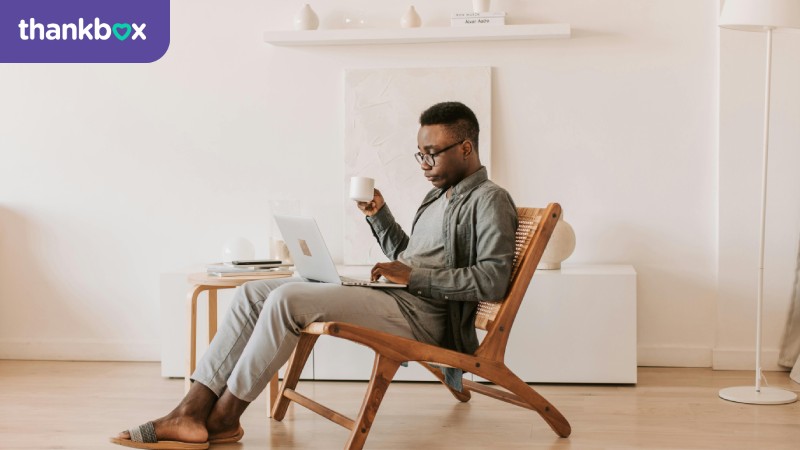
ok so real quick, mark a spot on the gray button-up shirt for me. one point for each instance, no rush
(478, 229)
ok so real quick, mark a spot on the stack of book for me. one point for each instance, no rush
(265, 268)
(475, 18)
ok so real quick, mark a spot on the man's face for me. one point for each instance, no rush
(449, 165)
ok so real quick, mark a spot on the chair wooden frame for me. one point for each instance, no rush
(534, 230)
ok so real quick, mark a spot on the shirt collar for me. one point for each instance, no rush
(469, 183)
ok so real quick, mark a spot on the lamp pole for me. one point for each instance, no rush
(761, 245)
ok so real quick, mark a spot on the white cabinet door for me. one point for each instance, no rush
(576, 325)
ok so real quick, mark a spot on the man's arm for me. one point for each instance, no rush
(391, 237)
(387, 231)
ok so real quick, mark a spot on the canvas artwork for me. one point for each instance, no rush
(382, 108)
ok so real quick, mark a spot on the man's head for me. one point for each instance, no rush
(448, 143)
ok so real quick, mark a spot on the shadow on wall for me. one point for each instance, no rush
(790, 348)
(37, 303)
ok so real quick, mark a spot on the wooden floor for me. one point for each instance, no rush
(77, 405)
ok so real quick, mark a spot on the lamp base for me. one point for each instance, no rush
(749, 395)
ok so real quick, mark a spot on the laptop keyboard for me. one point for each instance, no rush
(354, 281)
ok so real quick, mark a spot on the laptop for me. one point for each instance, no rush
(311, 257)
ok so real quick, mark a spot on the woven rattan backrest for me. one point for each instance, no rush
(535, 227)
(528, 220)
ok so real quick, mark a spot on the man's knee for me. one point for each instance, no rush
(282, 297)
(255, 292)
(291, 303)
(250, 293)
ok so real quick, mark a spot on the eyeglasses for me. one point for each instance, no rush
(429, 159)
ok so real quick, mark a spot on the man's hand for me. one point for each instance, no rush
(394, 271)
(372, 208)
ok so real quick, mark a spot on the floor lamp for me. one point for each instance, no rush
(762, 16)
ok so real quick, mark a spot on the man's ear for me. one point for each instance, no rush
(466, 148)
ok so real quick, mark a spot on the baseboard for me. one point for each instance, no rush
(673, 356)
(737, 359)
(79, 350)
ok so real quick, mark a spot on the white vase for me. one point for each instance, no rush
(480, 6)
(560, 246)
(306, 19)
(237, 249)
(410, 19)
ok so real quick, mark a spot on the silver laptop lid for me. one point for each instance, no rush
(309, 253)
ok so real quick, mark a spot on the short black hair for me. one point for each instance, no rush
(457, 117)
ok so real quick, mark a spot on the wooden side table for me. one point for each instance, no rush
(199, 283)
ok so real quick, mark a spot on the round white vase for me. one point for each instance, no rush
(560, 246)
(306, 19)
(238, 249)
(410, 19)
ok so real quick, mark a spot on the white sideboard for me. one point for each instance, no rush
(576, 325)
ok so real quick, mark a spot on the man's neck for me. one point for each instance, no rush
(468, 173)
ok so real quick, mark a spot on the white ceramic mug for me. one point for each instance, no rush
(362, 189)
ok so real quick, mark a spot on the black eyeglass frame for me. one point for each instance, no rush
(429, 159)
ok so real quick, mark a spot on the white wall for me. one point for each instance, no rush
(742, 77)
(112, 174)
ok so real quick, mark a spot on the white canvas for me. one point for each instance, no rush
(382, 108)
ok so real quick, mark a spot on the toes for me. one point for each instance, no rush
(124, 435)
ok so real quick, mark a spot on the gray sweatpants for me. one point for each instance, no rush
(259, 332)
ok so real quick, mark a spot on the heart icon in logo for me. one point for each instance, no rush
(121, 26)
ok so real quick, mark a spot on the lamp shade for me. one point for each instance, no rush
(760, 15)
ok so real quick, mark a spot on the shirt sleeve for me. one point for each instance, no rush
(390, 236)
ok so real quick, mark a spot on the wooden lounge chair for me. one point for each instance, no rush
(534, 230)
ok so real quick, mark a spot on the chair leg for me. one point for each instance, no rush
(549, 413)
(462, 396)
(382, 373)
(290, 378)
(273, 394)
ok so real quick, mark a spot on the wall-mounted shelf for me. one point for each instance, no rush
(368, 36)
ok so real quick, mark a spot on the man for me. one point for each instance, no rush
(460, 252)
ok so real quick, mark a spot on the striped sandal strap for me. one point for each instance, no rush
(144, 433)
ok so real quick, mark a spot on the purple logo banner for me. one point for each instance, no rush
(83, 31)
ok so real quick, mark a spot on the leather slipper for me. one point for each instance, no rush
(144, 437)
(230, 439)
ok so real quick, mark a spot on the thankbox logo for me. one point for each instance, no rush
(95, 31)
(32, 30)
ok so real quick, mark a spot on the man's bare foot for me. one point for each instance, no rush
(222, 426)
(177, 428)
(187, 422)
(223, 421)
